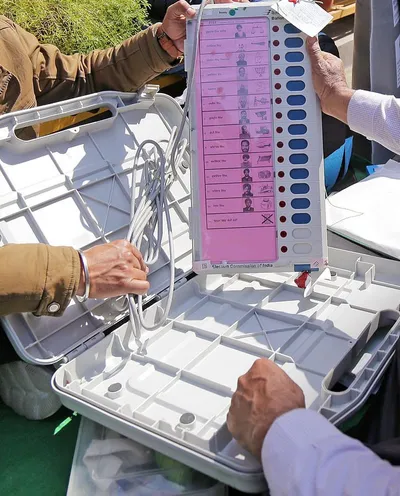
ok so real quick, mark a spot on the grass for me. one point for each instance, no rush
(78, 25)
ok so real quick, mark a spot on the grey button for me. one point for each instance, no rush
(53, 307)
(113, 388)
(187, 419)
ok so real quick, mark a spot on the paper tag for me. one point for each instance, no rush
(396, 12)
(397, 47)
(310, 18)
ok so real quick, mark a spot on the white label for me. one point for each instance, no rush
(397, 46)
(307, 16)
(396, 12)
(199, 266)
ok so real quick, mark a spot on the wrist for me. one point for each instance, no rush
(81, 286)
(336, 103)
(84, 283)
(167, 44)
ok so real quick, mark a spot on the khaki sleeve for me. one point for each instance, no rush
(38, 278)
(125, 67)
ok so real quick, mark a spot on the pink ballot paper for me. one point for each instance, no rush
(243, 212)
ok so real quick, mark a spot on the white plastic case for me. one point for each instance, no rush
(219, 325)
(174, 398)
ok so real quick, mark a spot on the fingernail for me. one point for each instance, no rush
(191, 11)
(147, 270)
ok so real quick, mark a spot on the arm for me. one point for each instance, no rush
(35, 276)
(304, 454)
(125, 67)
(375, 116)
(42, 279)
(301, 452)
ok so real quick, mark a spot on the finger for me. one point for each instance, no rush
(313, 48)
(131, 261)
(241, 383)
(134, 262)
(230, 423)
(138, 287)
(182, 8)
(138, 274)
(139, 257)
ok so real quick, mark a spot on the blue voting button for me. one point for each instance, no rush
(297, 115)
(300, 188)
(300, 203)
(293, 42)
(298, 144)
(290, 29)
(295, 85)
(299, 173)
(294, 57)
(301, 218)
(296, 100)
(295, 71)
(297, 129)
(298, 159)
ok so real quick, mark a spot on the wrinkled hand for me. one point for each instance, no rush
(115, 269)
(329, 81)
(174, 23)
(265, 393)
(327, 4)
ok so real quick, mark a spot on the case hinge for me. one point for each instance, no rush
(83, 347)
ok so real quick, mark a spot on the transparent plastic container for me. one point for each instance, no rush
(106, 463)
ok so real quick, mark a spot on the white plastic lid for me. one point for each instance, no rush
(73, 189)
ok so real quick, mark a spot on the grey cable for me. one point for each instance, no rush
(147, 217)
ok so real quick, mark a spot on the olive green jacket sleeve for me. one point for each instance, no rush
(125, 67)
(37, 278)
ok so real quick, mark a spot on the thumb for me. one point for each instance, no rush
(313, 49)
(182, 8)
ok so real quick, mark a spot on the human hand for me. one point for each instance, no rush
(265, 393)
(329, 81)
(327, 4)
(115, 269)
(174, 23)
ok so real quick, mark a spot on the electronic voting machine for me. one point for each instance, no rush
(256, 143)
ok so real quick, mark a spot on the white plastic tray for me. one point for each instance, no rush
(219, 325)
(73, 189)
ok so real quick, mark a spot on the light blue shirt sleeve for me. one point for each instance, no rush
(304, 455)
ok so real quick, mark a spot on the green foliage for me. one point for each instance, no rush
(78, 25)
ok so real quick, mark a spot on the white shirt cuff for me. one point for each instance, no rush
(362, 109)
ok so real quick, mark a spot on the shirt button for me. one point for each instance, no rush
(53, 307)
